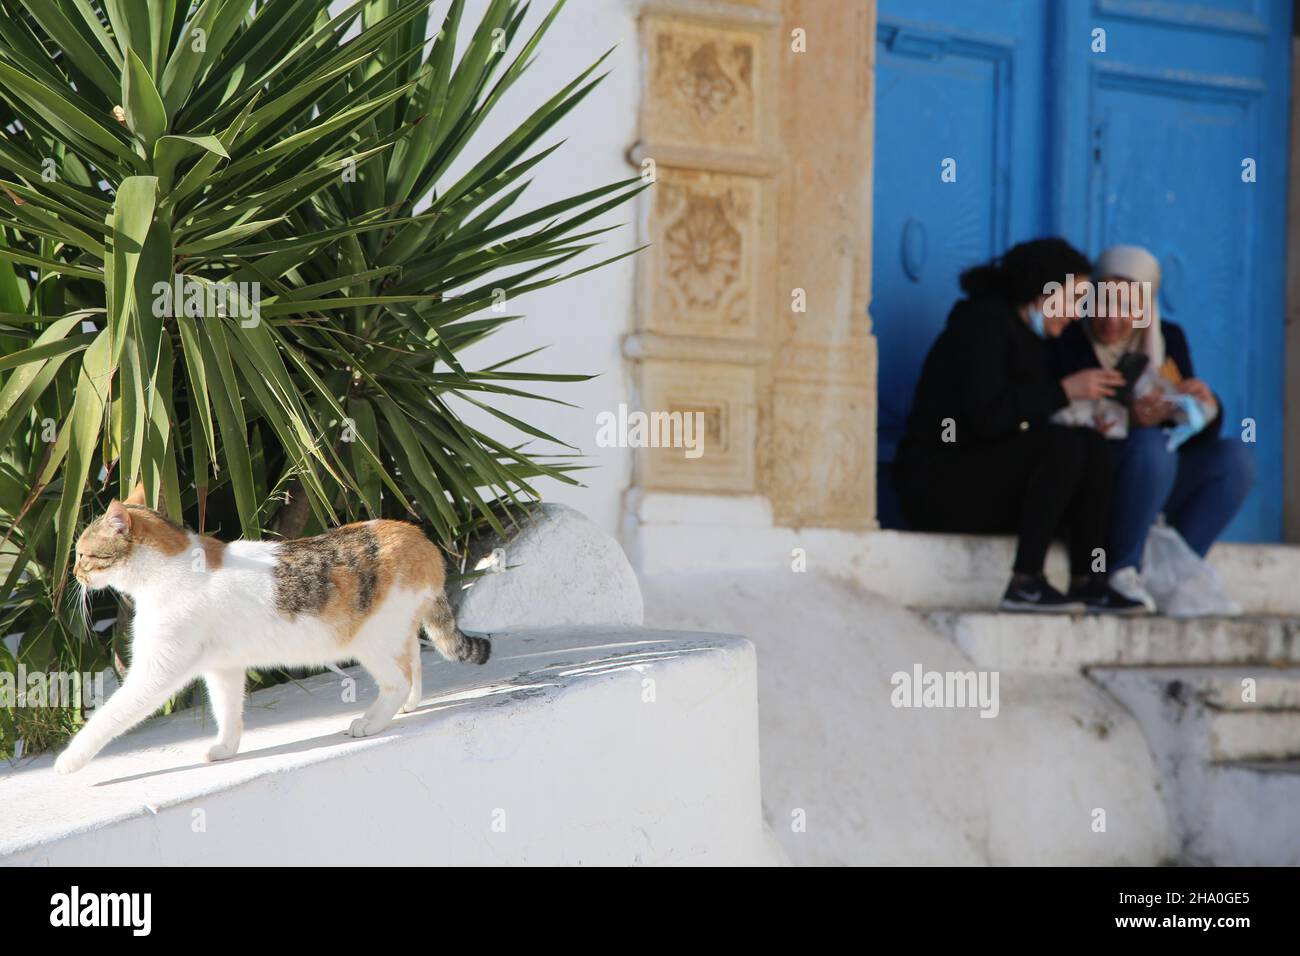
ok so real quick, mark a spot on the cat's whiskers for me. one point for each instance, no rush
(83, 599)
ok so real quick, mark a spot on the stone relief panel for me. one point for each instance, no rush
(702, 90)
(705, 230)
(723, 395)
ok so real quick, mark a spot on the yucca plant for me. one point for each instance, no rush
(242, 272)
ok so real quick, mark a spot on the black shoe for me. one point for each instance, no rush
(1036, 594)
(1099, 597)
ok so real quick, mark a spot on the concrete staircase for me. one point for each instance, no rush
(1229, 781)
(1218, 700)
(1228, 763)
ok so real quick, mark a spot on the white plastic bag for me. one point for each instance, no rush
(1106, 416)
(1182, 582)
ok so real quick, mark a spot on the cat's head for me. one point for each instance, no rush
(126, 541)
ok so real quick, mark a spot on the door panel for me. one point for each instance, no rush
(1144, 200)
(948, 88)
(1183, 95)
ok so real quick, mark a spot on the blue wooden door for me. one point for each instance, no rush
(1105, 121)
(1185, 100)
(959, 127)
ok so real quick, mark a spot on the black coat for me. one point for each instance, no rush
(987, 372)
(1072, 352)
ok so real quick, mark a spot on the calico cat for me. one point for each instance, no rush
(205, 608)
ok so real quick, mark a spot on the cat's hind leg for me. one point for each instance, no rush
(226, 695)
(417, 678)
(392, 672)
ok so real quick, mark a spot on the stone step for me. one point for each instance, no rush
(955, 570)
(685, 533)
(1269, 689)
(1241, 736)
(1276, 769)
(1225, 688)
(1230, 776)
(1249, 713)
(1067, 642)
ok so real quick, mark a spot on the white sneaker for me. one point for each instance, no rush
(1128, 582)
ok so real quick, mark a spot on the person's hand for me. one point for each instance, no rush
(1152, 409)
(1202, 393)
(1092, 383)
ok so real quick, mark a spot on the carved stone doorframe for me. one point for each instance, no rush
(757, 124)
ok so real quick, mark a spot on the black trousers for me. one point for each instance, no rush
(1050, 481)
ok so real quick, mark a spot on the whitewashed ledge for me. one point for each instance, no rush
(573, 745)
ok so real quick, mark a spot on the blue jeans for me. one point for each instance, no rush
(1199, 488)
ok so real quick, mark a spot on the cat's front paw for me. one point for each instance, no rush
(221, 751)
(70, 761)
(361, 727)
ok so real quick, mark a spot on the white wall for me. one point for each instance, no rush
(550, 754)
(581, 323)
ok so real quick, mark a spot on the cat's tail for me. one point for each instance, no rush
(452, 643)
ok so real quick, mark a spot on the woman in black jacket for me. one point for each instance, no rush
(979, 455)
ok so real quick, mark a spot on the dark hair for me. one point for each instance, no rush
(1021, 273)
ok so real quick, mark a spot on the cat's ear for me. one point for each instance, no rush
(118, 517)
(137, 497)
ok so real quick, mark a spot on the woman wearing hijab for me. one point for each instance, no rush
(1171, 458)
(980, 456)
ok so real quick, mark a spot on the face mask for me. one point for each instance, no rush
(1037, 322)
(1195, 420)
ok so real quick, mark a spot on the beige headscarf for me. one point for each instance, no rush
(1136, 264)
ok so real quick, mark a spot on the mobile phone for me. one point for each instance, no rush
(1131, 365)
